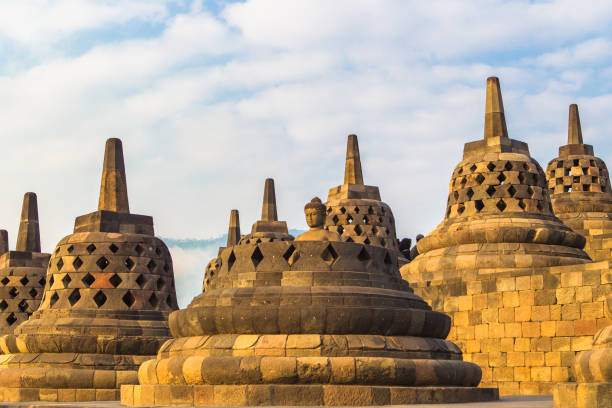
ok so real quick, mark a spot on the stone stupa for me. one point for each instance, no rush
(22, 271)
(581, 196)
(498, 216)
(355, 210)
(109, 290)
(306, 322)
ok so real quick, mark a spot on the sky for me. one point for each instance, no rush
(212, 97)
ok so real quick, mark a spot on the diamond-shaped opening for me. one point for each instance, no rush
(364, 256)
(153, 300)
(288, 253)
(479, 179)
(460, 170)
(113, 248)
(335, 219)
(151, 265)
(501, 178)
(230, 261)
(139, 249)
(166, 267)
(490, 191)
(366, 241)
(90, 248)
(3, 305)
(57, 250)
(501, 205)
(508, 166)
(365, 220)
(356, 210)
(33, 292)
(102, 263)
(99, 298)
(13, 292)
(473, 168)
(128, 263)
(370, 210)
(70, 249)
(115, 280)
(23, 305)
(340, 229)
(170, 301)
(358, 230)
(463, 181)
(128, 299)
(54, 298)
(525, 166)
(160, 283)
(256, 257)
(140, 280)
(456, 195)
(349, 239)
(460, 209)
(329, 210)
(349, 219)
(490, 166)
(5, 280)
(521, 178)
(66, 280)
(77, 263)
(343, 210)
(539, 205)
(11, 319)
(329, 254)
(24, 281)
(88, 279)
(511, 191)
(60, 264)
(51, 280)
(382, 241)
(559, 164)
(74, 297)
(521, 204)
(470, 193)
(158, 251)
(479, 205)
(530, 191)
(387, 259)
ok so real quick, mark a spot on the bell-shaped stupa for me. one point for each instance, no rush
(22, 271)
(580, 190)
(306, 322)
(355, 210)
(498, 215)
(109, 290)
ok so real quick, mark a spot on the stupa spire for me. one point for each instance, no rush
(574, 130)
(4, 246)
(28, 238)
(113, 188)
(495, 120)
(233, 234)
(268, 210)
(352, 168)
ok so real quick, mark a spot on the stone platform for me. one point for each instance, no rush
(504, 402)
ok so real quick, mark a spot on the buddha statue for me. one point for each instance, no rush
(315, 218)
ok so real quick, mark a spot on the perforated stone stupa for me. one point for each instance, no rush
(22, 271)
(581, 196)
(355, 210)
(498, 215)
(109, 290)
(306, 322)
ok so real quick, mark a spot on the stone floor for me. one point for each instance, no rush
(504, 402)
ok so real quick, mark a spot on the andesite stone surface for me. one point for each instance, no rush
(22, 271)
(109, 290)
(306, 322)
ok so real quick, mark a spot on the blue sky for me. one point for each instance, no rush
(212, 97)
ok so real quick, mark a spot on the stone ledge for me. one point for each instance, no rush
(57, 394)
(586, 395)
(298, 395)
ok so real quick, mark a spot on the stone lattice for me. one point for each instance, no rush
(104, 311)
(22, 272)
(355, 210)
(306, 322)
(580, 191)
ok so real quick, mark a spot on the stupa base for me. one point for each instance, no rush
(58, 394)
(584, 395)
(297, 395)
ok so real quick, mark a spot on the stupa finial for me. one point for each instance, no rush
(268, 211)
(28, 238)
(495, 120)
(233, 234)
(574, 130)
(4, 247)
(113, 188)
(352, 168)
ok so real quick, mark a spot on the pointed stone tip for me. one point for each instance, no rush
(268, 211)
(352, 168)
(113, 187)
(574, 130)
(233, 234)
(28, 237)
(4, 243)
(495, 120)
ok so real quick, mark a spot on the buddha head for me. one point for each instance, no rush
(315, 213)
